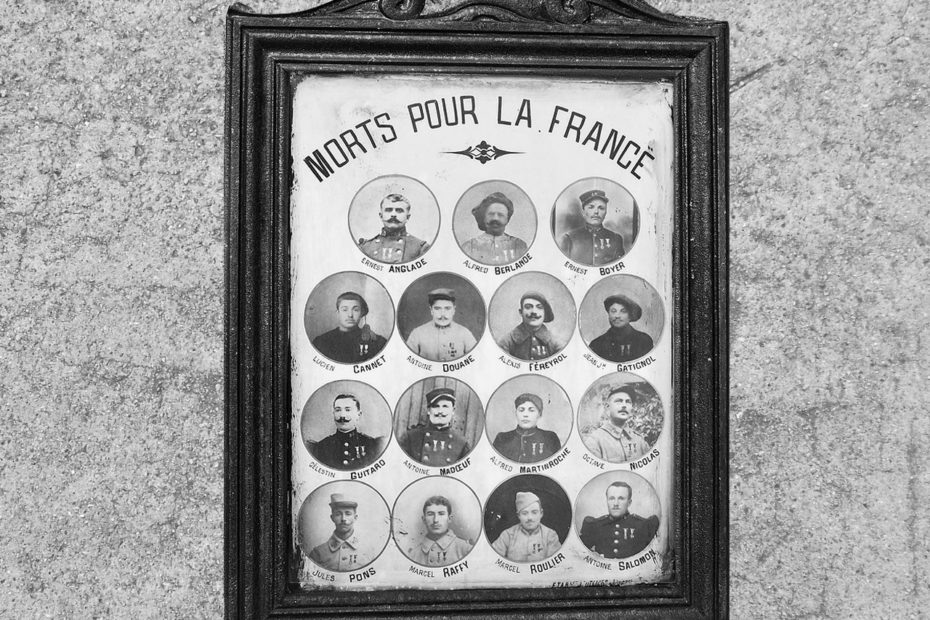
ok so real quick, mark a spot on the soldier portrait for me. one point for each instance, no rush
(494, 222)
(617, 515)
(441, 317)
(532, 316)
(346, 425)
(595, 221)
(349, 317)
(394, 219)
(438, 421)
(436, 521)
(620, 417)
(621, 318)
(343, 526)
(527, 518)
(528, 419)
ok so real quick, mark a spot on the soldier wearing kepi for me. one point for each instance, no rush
(347, 448)
(341, 553)
(442, 339)
(592, 244)
(352, 341)
(440, 546)
(622, 342)
(531, 339)
(394, 244)
(436, 443)
(615, 440)
(529, 540)
(619, 533)
(527, 443)
(493, 246)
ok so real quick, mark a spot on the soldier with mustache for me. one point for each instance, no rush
(494, 246)
(347, 448)
(592, 244)
(615, 440)
(394, 244)
(529, 540)
(531, 339)
(436, 443)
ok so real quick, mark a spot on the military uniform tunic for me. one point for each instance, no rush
(340, 555)
(622, 344)
(518, 545)
(526, 344)
(618, 538)
(350, 347)
(431, 445)
(592, 246)
(441, 344)
(527, 446)
(615, 445)
(495, 249)
(396, 246)
(448, 549)
(351, 450)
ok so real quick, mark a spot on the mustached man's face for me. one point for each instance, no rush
(620, 407)
(496, 217)
(532, 312)
(394, 215)
(346, 414)
(618, 315)
(442, 311)
(441, 412)
(436, 518)
(348, 314)
(530, 517)
(594, 212)
(344, 520)
(618, 501)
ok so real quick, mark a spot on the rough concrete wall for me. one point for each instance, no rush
(111, 266)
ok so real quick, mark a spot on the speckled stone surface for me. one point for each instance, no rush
(111, 317)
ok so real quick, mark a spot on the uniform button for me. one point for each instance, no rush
(616, 551)
(448, 460)
(616, 541)
(345, 462)
(346, 444)
(426, 457)
(346, 453)
(427, 434)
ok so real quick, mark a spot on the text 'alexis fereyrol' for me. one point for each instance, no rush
(380, 129)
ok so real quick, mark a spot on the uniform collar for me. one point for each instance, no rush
(335, 542)
(536, 532)
(594, 230)
(619, 332)
(617, 433)
(438, 429)
(521, 333)
(394, 234)
(522, 433)
(443, 542)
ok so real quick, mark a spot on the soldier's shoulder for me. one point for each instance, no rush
(591, 521)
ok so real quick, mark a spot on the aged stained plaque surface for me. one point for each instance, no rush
(430, 214)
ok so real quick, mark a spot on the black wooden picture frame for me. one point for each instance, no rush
(608, 39)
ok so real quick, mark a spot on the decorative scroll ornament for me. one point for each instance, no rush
(484, 152)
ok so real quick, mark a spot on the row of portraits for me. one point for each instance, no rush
(437, 521)
(395, 219)
(349, 317)
(347, 425)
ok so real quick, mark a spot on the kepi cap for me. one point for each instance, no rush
(440, 293)
(631, 306)
(337, 500)
(434, 396)
(548, 316)
(592, 194)
(525, 499)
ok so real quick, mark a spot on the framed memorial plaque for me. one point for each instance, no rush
(476, 311)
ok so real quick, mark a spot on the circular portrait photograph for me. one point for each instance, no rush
(532, 316)
(621, 318)
(438, 421)
(494, 222)
(620, 417)
(343, 526)
(528, 419)
(349, 317)
(527, 518)
(595, 221)
(346, 425)
(436, 521)
(441, 316)
(617, 514)
(394, 219)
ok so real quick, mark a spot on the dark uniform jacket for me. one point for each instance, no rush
(618, 538)
(590, 246)
(622, 344)
(526, 344)
(352, 450)
(351, 347)
(529, 446)
(431, 445)
(397, 246)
